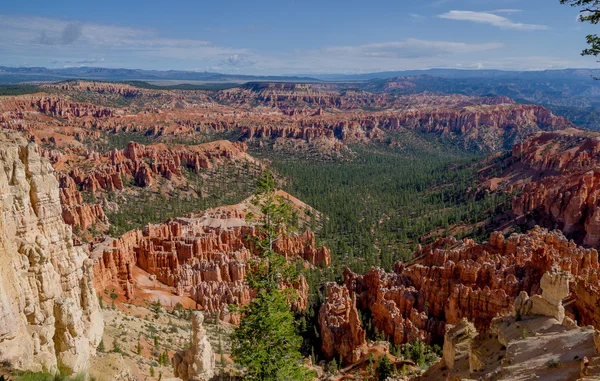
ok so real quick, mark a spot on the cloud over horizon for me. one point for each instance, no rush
(492, 19)
(52, 42)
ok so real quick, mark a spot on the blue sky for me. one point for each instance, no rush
(293, 36)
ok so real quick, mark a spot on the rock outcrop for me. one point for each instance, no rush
(341, 331)
(529, 344)
(450, 280)
(198, 362)
(204, 257)
(555, 288)
(49, 313)
(557, 176)
(457, 341)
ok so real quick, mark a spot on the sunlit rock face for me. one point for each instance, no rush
(49, 313)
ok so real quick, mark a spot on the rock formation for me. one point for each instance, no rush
(450, 280)
(457, 341)
(204, 257)
(557, 176)
(198, 362)
(49, 313)
(341, 331)
(298, 115)
(555, 287)
(529, 344)
(81, 170)
(93, 86)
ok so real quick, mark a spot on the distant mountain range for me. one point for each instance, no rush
(38, 74)
(32, 74)
(464, 74)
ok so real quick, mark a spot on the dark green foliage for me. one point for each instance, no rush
(384, 368)
(116, 347)
(334, 367)
(378, 205)
(266, 343)
(18, 89)
(61, 375)
(113, 297)
(421, 353)
(163, 358)
(227, 184)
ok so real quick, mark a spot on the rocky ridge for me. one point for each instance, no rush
(337, 117)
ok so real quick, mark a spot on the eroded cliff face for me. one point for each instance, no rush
(49, 313)
(82, 170)
(557, 176)
(450, 280)
(302, 117)
(204, 257)
(341, 330)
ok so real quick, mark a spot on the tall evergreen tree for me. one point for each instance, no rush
(267, 343)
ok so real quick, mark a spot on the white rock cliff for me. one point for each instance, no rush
(49, 313)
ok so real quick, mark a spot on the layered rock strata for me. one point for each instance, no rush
(558, 181)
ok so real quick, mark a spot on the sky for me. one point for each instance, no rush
(293, 36)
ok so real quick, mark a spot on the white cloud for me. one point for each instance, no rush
(416, 16)
(72, 43)
(491, 19)
(82, 42)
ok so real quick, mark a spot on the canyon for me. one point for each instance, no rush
(84, 159)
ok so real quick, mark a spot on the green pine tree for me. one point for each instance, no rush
(384, 368)
(267, 343)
